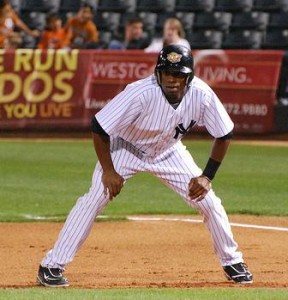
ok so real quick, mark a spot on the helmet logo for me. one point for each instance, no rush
(174, 57)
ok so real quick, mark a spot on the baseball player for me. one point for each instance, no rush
(141, 130)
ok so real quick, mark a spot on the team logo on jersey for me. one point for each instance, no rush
(181, 130)
(174, 57)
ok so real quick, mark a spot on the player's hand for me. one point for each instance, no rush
(199, 188)
(113, 183)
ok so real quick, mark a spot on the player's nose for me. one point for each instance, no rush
(171, 78)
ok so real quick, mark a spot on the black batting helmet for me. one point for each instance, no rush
(175, 58)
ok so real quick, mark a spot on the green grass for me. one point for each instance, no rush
(45, 178)
(145, 294)
(257, 177)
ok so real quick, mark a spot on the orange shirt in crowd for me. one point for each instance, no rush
(54, 39)
(8, 20)
(81, 32)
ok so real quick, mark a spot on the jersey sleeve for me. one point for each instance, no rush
(120, 112)
(215, 117)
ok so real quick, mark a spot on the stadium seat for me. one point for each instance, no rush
(187, 19)
(276, 39)
(125, 17)
(117, 6)
(270, 5)
(213, 20)
(162, 17)
(65, 15)
(278, 20)
(155, 6)
(149, 20)
(29, 42)
(70, 6)
(205, 39)
(34, 19)
(74, 5)
(233, 5)
(40, 5)
(194, 6)
(242, 39)
(16, 5)
(255, 20)
(170, 5)
(93, 3)
(105, 37)
(107, 21)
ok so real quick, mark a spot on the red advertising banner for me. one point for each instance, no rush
(63, 89)
(42, 89)
(246, 82)
(111, 71)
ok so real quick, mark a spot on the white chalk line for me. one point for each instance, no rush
(31, 217)
(189, 220)
(147, 219)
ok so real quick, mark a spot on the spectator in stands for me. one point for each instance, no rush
(83, 31)
(14, 41)
(134, 37)
(9, 21)
(54, 36)
(173, 33)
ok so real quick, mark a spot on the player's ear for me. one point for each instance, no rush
(189, 78)
(158, 76)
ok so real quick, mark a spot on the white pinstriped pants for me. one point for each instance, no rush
(175, 167)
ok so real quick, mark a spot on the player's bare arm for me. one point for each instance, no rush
(112, 181)
(200, 186)
(220, 147)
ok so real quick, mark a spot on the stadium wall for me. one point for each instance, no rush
(62, 90)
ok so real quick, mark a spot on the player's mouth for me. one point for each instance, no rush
(172, 88)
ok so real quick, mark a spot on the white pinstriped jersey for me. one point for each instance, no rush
(141, 115)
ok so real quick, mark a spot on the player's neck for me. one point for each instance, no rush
(174, 99)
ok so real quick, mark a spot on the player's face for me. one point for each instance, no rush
(173, 85)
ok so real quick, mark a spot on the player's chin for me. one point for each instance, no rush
(173, 95)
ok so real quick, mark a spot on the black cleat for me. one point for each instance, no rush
(52, 277)
(239, 273)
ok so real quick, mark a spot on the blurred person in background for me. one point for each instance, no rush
(83, 31)
(13, 41)
(134, 36)
(173, 33)
(54, 36)
(9, 21)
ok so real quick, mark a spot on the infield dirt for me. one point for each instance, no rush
(146, 254)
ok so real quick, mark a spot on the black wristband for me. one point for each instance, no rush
(211, 168)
